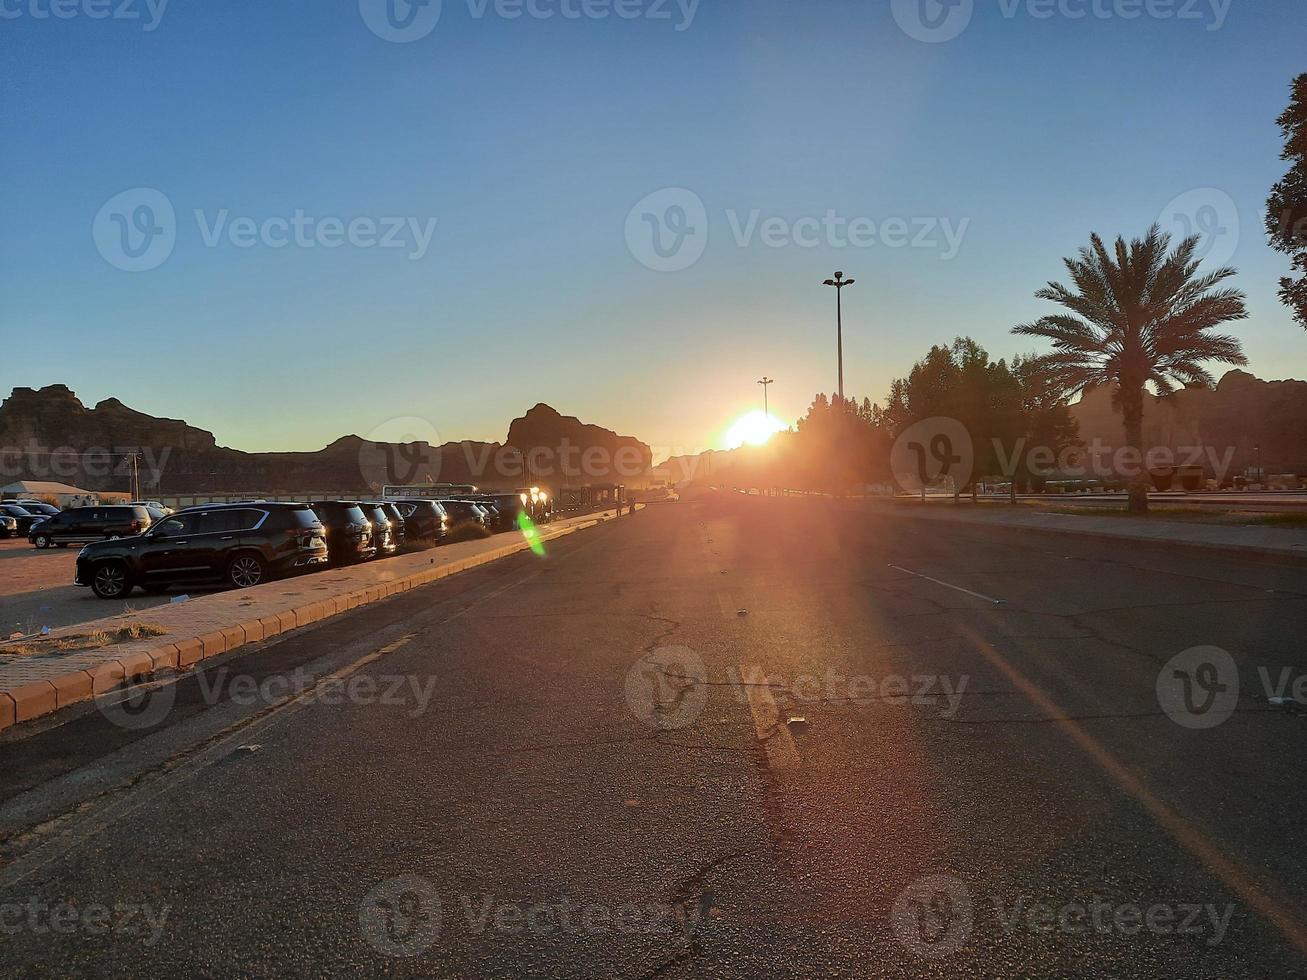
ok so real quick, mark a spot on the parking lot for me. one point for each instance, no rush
(36, 589)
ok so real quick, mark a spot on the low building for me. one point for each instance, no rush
(60, 494)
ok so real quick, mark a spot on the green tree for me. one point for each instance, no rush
(1140, 315)
(961, 382)
(1286, 208)
(1046, 416)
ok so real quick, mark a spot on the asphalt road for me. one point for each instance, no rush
(580, 765)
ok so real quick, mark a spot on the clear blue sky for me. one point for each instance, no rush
(530, 140)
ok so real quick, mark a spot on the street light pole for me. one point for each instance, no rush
(839, 282)
(765, 382)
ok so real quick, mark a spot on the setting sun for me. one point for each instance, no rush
(753, 428)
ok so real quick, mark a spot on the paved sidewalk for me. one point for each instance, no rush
(209, 625)
(1235, 540)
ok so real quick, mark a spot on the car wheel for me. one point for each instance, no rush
(246, 571)
(41, 541)
(109, 580)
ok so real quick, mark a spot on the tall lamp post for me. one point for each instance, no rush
(766, 412)
(839, 282)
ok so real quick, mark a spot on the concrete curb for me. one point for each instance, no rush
(35, 700)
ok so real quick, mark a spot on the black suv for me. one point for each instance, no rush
(398, 523)
(383, 535)
(467, 518)
(349, 532)
(23, 518)
(425, 521)
(508, 505)
(240, 544)
(81, 524)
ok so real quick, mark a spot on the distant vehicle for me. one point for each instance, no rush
(78, 525)
(508, 506)
(398, 529)
(25, 518)
(153, 505)
(467, 518)
(349, 532)
(8, 526)
(240, 544)
(35, 506)
(426, 522)
(383, 535)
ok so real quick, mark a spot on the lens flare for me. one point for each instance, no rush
(530, 532)
(753, 428)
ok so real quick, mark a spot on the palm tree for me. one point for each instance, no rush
(1140, 317)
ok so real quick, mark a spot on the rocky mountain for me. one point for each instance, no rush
(50, 435)
(1221, 424)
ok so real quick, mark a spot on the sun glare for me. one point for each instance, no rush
(752, 429)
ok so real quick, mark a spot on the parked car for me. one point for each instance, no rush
(425, 521)
(24, 518)
(78, 525)
(467, 518)
(507, 506)
(8, 526)
(383, 535)
(153, 505)
(349, 532)
(240, 544)
(398, 526)
(35, 506)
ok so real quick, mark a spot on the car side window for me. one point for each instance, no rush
(230, 520)
(182, 524)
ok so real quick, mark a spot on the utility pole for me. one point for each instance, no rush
(765, 382)
(839, 282)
